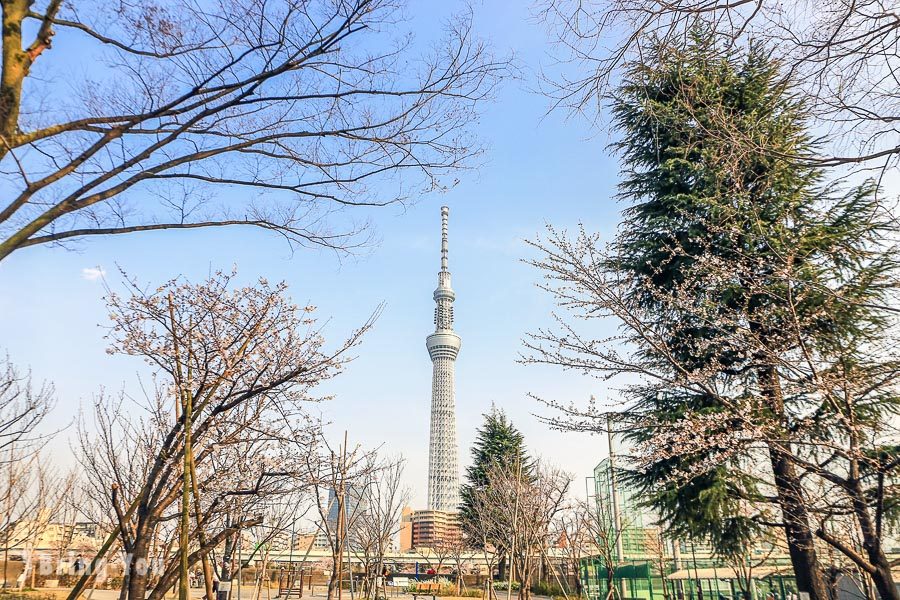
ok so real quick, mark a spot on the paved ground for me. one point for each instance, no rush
(114, 594)
(247, 593)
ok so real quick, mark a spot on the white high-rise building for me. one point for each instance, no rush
(443, 346)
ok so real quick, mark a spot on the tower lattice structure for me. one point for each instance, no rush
(443, 347)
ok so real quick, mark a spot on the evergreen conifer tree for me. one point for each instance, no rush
(754, 304)
(497, 444)
(749, 262)
(705, 138)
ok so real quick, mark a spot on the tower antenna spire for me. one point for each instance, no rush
(445, 214)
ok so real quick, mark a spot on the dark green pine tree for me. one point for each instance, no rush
(497, 444)
(705, 136)
(714, 144)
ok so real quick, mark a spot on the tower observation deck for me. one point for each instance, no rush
(443, 346)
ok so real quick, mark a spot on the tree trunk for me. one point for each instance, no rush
(184, 590)
(15, 67)
(524, 573)
(126, 584)
(884, 582)
(881, 577)
(207, 567)
(798, 533)
(228, 557)
(337, 551)
(138, 567)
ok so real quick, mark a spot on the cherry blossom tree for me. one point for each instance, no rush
(185, 468)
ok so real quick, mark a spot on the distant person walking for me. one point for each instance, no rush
(79, 565)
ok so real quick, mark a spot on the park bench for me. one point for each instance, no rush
(425, 589)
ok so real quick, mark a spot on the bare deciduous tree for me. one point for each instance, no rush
(438, 553)
(542, 500)
(24, 480)
(22, 408)
(572, 537)
(598, 519)
(383, 499)
(310, 107)
(744, 561)
(339, 478)
(458, 551)
(520, 510)
(486, 527)
(841, 52)
(34, 496)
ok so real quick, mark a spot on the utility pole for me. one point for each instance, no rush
(696, 572)
(676, 564)
(614, 497)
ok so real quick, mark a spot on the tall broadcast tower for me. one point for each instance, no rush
(443, 346)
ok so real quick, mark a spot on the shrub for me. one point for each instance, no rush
(446, 589)
(25, 595)
(547, 588)
(503, 585)
(114, 583)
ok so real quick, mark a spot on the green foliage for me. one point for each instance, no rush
(683, 119)
(445, 588)
(733, 246)
(25, 594)
(547, 588)
(497, 443)
(502, 586)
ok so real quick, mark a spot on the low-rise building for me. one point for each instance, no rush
(25, 536)
(429, 529)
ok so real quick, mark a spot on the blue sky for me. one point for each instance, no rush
(538, 169)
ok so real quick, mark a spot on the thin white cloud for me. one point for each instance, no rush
(93, 273)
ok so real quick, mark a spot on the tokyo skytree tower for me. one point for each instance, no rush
(443, 346)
